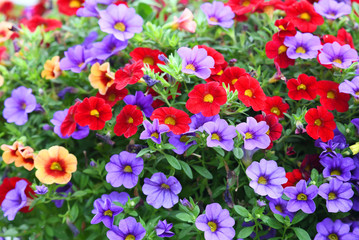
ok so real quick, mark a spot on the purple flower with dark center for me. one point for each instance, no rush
(14, 200)
(121, 197)
(218, 14)
(41, 190)
(302, 45)
(163, 229)
(153, 131)
(198, 120)
(350, 87)
(301, 197)
(129, 229)
(63, 191)
(19, 105)
(279, 206)
(332, 9)
(337, 55)
(121, 21)
(123, 169)
(254, 134)
(105, 212)
(161, 191)
(196, 61)
(89, 9)
(327, 229)
(337, 194)
(144, 103)
(108, 47)
(216, 223)
(267, 178)
(355, 122)
(181, 142)
(76, 59)
(337, 166)
(328, 148)
(220, 134)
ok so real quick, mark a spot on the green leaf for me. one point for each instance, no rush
(279, 218)
(219, 150)
(187, 169)
(238, 153)
(74, 212)
(241, 211)
(299, 217)
(80, 193)
(301, 233)
(191, 149)
(314, 175)
(184, 217)
(143, 152)
(273, 223)
(173, 162)
(204, 172)
(245, 232)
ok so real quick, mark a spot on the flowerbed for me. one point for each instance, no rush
(179, 119)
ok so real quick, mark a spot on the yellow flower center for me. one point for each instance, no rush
(305, 16)
(282, 49)
(248, 135)
(318, 122)
(302, 197)
(335, 172)
(120, 27)
(128, 169)
(332, 196)
(112, 97)
(300, 50)
(268, 132)
(301, 87)
(148, 60)
(165, 186)
(56, 166)
(262, 180)
(220, 73)
(155, 134)
(215, 136)
(23, 106)
(248, 93)
(80, 65)
(234, 81)
(212, 226)
(170, 121)
(246, 3)
(95, 113)
(338, 61)
(333, 236)
(275, 110)
(279, 208)
(213, 19)
(130, 237)
(108, 213)
(184, 138)
(130, 120)
(208, 98)
(281, 27)
(330, 95)
(191, 67)
(357, 93)
(75, 4)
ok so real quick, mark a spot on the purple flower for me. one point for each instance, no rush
(355, 122)
(108, 47)
(216, 223)
(302, 45)
(63, 191)
(301, 197)
(19, 105)
(186, 203)
(123, 169)
(267, 178)
(337, 55)
(121, 21)
(218, 14)
(181, 141)
(149, 81)
(279, 206)
(327, 229)
(89, 9)
(105, 212)
(144, 103)
(220, 134)
(76, 59)
(153, 131)
(129, 229)
(332, 9)
(198, 120)
(63, 92)
(89, 40)
(254, 134)
(163, 229)
(41, 190)
(328, 148)
(355, 172)
(350, 87)
(161, 191)
(121, 197)
(337, 166)
(337, 194)
(196, 61)
(14, 200)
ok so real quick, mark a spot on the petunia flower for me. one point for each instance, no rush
(181, 142)
(163, 229)
(15, 200)
(130, 74)
(76, 59)
(219, 62)
(302, 45)
(89, 9)
(51, 68)
(198, 120)
(337, 166)
(285, 27)
(41, 190)
(276, 106)
(304, 87)
(254, 134)
(113, 95)
(148, 56)
(177, 120)
(153, 131)
(220, 134)
(101, 77)
(108, 47)
(127, 121)
(143, 103)
(332, 9)
(330, 96)
(11, 152)
(279, 206)
(218, 14)
(343, 37)
(337, 55)
(129, 229)
(293, 178)
(68, 125)
(69, 7)
(350, 87)
(327, 229)
(276, 50)
(27, 158)
(63, 192)
(105, 212)
(38, 21)
(231, 75)
(275, 128)
(184, 22)
(320, 123)
(328, 148)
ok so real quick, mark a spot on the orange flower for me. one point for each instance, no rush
(101, 77)
(51, 68)
(185, 22)
(5, 32)
(55, 165)
(11, 153)
(27, 158)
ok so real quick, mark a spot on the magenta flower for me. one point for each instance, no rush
(220, 134)
(301, 197)
(218, 14)
(302, 45)
(129, 229)
(153, 131)
(337, 55)
(15, 199)
(254, 134)
(332, 9)
(350, 87)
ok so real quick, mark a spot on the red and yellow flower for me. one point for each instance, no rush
(101, 77)
(127, 121)
(51, 68)
(176, 120)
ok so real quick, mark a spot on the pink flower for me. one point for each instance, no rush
(185, 22)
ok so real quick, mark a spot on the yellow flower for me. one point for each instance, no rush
(355, 148)
(101, 77)
(51, 68)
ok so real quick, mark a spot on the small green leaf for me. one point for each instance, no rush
(187, 169)
(219, 150)
(299, 217)
(301, 233)
(241, 211)
(273, 223)
(279, 218)
(245, 232)
(238, 153)
(204, 172)
(184, 217)
(173, 162)
(74, 212)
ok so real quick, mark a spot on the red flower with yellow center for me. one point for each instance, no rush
(276, 50)
(127, 121)
(69, 7)
(130, 74)
(101, 77)
(302, 88)
(148, 56)
(276, 106)
(176, 120)
(331, 98)
(113, 95)
(55, 165)
(320, 123)
(231, 75)
(286, 28)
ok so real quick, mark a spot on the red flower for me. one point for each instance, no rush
(69, 7)
(113, 95)
(176, 120)
(343, 37)
(130, 74)
(206, 98)
(9, 184)
(277, 50)
(275, 128)
(293, 178)
(250, 92)
(302, 88)
(320, 123)
(231, 75)
(286, 28)
(6, 7)
(93, 112)
(275, 105)
(148, 56)
(217, 57)
(241, 7)
(47, 24)
(68, 126)
(127, 121)
(331, 98)
(309, 162)
(304, 17)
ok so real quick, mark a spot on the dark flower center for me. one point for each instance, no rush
(191, 67)
(155, 134)
(248, 135)
(305, 16)
(275, 110)
(301, 87)
(120, 27)
(95, 113)
(279, 208)
(56, 166)
(184, 138)
(215, 136)
(335, 172)
(170, 121)
(208, 98)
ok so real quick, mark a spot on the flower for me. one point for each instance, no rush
(108, 47)
(63, 192)
(320, 123)
(218, 14)
(121, 198)
(55, 165)
(93, 112)
(113, 95)
(69, 7)
(15, 200)
(129, 229)
(196, 61)
(216, 223)
(19, 105)
(181, 142)
(350, 87)
(37, 21)
(27, 158)
(355, 122)
(11, 152)
(293, 178)
(328, 148)
(241, 7)
(51, 68)
(127, 121)
(41, 190)
(185, 22)
(153, 131)
(198, 120)
(121, 21)
(76, 59)
(337, 55)
(220, 134)
(219, 62)
(5, 30)
(143, 103)
(327, 229)
(302, 88)
(89, 9)
(337, 194)
(310, 162)
(123, 169)
(101, 77)
(332, 9)
(105, 212)
(148, 56)
(301, 197)
(331, 98)
(176, 120)
(302, 45)
(68, 125)
(161, 191)
(337, 166)
(286, 28)
(254, 134)
(163, 229)
(343, 37)
(276, 106)
(131, 74)
(231, 75)
(206, 99)
(279, 206)
(275, 128)
(267, 178)
(276, 50)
